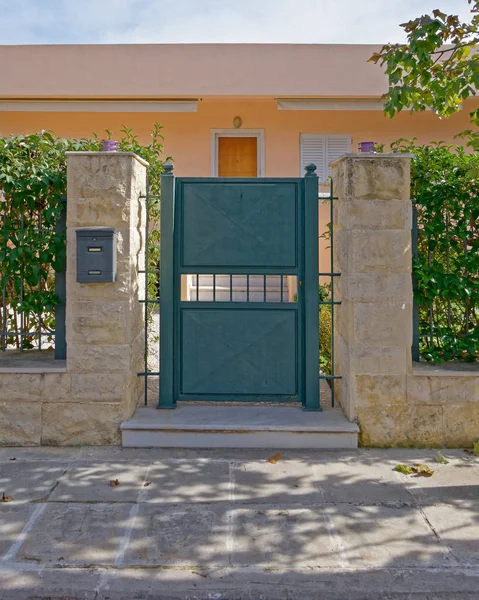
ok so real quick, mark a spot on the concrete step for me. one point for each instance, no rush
(220, 426)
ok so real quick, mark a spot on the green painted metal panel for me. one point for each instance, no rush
(239, 351)
(239, 224)
(249, 350)
(168, 291)
(310, 290)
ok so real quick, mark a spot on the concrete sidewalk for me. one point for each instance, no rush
(228, 525)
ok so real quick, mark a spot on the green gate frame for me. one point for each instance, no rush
(170, 271)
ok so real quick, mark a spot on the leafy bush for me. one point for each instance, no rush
(325, 339)
(32, 183)
(325, 330)
(445, 189)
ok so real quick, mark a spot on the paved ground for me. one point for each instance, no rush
(228, 525)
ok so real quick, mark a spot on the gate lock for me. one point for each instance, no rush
(96, 254)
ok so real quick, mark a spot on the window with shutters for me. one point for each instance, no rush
(322, 150)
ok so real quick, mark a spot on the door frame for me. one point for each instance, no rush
(218, 133)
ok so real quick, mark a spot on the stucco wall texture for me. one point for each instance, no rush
(188, 135)
(179, 70)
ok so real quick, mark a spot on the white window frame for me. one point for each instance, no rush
(216, 134)
(325, 137)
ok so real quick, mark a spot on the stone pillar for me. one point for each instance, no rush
(105, 340)
(373, 329)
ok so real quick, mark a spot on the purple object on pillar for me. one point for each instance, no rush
(109, 146)
(367, 146)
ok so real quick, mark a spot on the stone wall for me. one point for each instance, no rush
(395, 402)
(440, 408)
(83, 401)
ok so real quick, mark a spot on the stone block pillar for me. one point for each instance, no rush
(105, 342)
(373, 329)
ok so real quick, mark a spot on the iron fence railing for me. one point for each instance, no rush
(445, 320)
(21, 326)
(328, 300)
(416, 354)
(150, 300)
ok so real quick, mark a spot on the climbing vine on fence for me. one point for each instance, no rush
(445, 190)
(32, 184)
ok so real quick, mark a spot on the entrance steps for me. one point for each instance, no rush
(251, 426)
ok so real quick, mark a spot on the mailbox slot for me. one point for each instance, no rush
(96, 254)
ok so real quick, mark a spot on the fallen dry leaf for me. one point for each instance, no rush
(13, 458)
(469, 450)
(275, 458)
(423, 470)
(147, 484)
(114, 482)
(6, 498)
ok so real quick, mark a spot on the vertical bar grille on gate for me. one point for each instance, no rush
(231, 288)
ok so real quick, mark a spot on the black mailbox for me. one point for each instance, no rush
(96, 254)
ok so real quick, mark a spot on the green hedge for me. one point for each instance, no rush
(32, 181)
(445, 191)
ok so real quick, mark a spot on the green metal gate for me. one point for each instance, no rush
(239, 290)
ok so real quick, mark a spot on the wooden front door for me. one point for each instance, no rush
(237, 157)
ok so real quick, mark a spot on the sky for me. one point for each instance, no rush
(200, 21)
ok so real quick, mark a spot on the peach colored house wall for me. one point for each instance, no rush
(227, 80)
(188, 135)
(178, 70)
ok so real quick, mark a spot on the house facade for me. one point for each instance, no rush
(299, 102)
(227, 109)
(240, 111)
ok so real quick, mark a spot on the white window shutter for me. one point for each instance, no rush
(313, 150)
(336, 146)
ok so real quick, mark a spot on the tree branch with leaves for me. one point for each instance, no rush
(437, 68)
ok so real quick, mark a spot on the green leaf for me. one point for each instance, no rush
(423, 73)
(441, 459)
(475, 447)
(404, 469)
